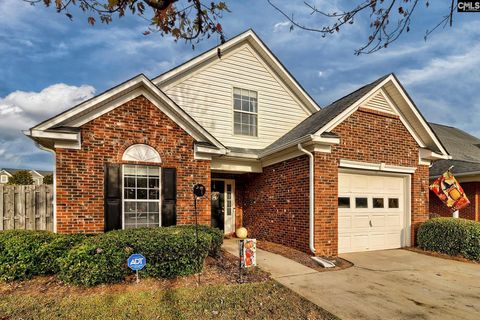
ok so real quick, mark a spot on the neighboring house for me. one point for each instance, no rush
(37, 175)
(352, 176)
(465, 151)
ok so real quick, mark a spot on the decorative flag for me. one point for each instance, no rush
(447, 188)
(248, 253)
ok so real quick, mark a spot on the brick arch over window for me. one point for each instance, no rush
(141, 152)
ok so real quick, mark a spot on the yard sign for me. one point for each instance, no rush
(136, 262)
(248, 253)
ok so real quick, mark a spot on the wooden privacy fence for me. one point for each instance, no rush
(26, 207)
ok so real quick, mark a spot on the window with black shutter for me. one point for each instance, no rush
(113, 197)
(169, 197)
(141, 196)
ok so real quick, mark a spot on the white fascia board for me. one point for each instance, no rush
(256, 43)
(308, 138)
(208, 150)
(231, 165)
(427, 154)
(34, 133)
(375, 166)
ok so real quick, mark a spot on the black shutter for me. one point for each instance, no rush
(169, 197)
(113, 197)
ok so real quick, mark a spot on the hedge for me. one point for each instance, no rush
(170, 252)
(216, 234)
(91, 260)
(455, 237)
(25, 253)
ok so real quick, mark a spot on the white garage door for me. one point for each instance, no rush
(371, 212)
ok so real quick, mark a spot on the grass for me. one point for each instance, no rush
(261, 300)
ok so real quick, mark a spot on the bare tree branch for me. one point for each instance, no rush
(388, 20)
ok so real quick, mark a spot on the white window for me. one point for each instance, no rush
(245, 110)
(141, 196)
(4, 179)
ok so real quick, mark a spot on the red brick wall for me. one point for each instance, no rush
(275, 203)
(367, 137)
(80, 173)
(472, 190)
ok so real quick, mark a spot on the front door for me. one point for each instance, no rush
(223, 205)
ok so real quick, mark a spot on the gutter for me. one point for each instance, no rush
(311, 221)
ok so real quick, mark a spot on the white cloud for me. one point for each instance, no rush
(21, 110)
(49, 101)
(444, 68)
(282, 26)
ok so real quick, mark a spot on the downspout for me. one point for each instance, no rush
(54, 184)
(311, 221)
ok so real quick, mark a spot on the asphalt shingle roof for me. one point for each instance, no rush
(462, 146)
(320, 118)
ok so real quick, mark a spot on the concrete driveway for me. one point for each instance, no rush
(390, 284)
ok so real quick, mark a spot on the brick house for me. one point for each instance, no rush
(350, 176)
(465, 152)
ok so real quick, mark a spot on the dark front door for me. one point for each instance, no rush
(218, 204)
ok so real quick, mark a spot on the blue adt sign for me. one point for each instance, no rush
(136, 262)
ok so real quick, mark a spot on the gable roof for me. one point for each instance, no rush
(325, 120)
(64, 126)
(462, 146)
(318, 120)
(256, 43)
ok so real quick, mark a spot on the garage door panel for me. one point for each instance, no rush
(345, 221)
(378, 220)
(360, 221)
(393, 220)
(381, 224)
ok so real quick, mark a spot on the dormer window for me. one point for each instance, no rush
(245, 112)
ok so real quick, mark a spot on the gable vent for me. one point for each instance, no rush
(379, 103)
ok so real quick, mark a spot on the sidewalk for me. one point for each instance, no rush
(277, 265)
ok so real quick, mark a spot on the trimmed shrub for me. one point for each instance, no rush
(25, 253)
(170, 252)
(216, 234)
(50, 252)
(451, 236)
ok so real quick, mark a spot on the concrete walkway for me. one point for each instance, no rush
(390, 284)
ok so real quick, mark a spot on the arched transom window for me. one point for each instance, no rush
(141, 188)
(141, 152)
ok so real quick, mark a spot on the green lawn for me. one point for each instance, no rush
(265, 300)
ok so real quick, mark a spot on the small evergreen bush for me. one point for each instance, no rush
(455, 237)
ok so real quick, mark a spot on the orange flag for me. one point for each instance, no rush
(447, 188)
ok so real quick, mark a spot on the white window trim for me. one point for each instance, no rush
(147, 200)
(247, 112)
(4, 179)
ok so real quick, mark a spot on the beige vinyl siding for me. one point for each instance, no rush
(379, 103)
(207, 95)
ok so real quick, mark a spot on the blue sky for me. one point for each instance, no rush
(48, 63)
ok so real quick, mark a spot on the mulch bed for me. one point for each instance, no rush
(441, 255)
(220, 270)
(302, 257)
